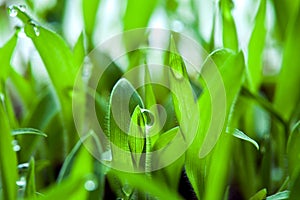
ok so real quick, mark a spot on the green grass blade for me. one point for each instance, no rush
(279, 196)
(50, 45)
(256, 47)
(119, 121)
(239, 134)
(230, 37)
(28, 131)
(30, 189)
(8, 159)
(137, 131)
(89, 9)
(79, 51)
(6, 52)
(66, 167)
(68, 189)
(150, 186)
(289, 78)
(206, 137)
(260, 195)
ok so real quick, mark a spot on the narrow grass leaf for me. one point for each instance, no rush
(230, 37)
(30, 189)
(137, 134)
(239, 134)
(28, 131)
(256, 47)
(60, 68)
(89, 11)
(260, 195)
(79, 51)
(289, 78)
(6, 52)
(165, 138)
(214, 110)
(279, 196)
(8, 159)
(123, 101)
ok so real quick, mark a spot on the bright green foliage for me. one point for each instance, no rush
(220, 122)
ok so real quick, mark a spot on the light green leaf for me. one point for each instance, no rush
(89, 9)
(287, 92)
(123, 101)
(68, 189)
(230, 38)
(60, 68)
(222, 87)
(28, 131)
(30, 189)
(256, 48)
(165, 138)
(260, 195)
(79, 51)
(239, 134)
(8, 159)
(6, 52)
(137, 134)
(280, 195)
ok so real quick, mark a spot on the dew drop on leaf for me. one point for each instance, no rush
(12, 11)
(35, 27)
(91, 185)
(23, 166)
(22, 8)
(16, 146)
(21, 182)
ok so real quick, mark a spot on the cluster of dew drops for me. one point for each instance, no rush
(13, 11)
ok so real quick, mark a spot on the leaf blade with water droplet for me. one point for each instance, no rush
(28, 131)
(8, 159)
(239, 134)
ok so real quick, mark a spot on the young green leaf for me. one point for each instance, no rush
(287, 92)
(123, 101)
(256, 47)
(30, 189)
(213, 119)
(28, 131)
(89, 10)
(230, 38)
(137, 134)
(239, 134)
(60, 68)
(279, 196)
(6, 52)
(260, 195)
(8, 159)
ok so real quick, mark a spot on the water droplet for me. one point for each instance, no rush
(22, 8)
(87, 69)
(12, 11)
(23, 166)
(21, 182)
(127, 190)
(16, 146)
(177, 67)
(35, 27)
(91, 184)
(20, 32)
